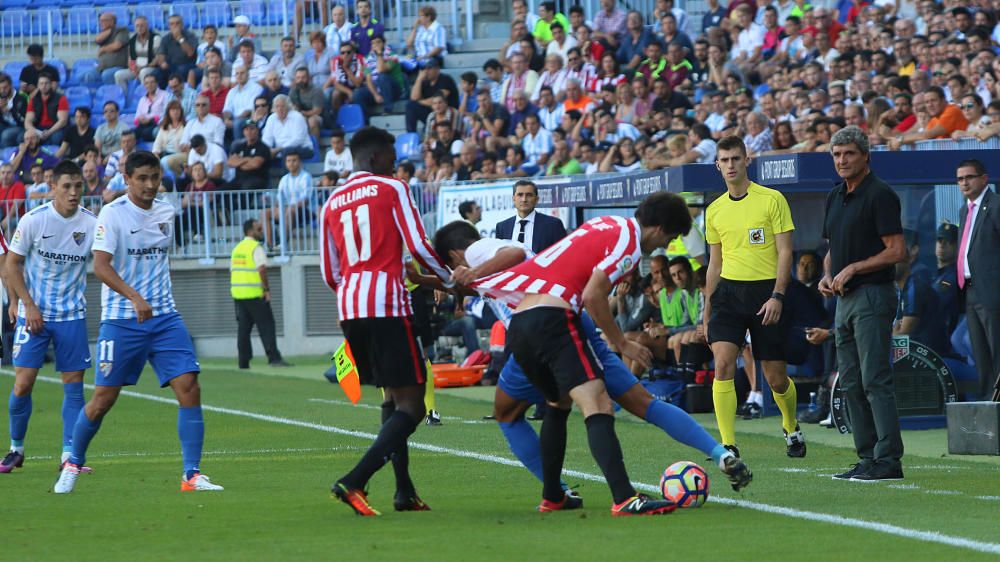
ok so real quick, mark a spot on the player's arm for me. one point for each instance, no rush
(106, 273)
(772, 308)
(17, 289)
(329, 260)
(712, 277)
(595, 300)
(826, 282)
(893, 253)
(906, 325)
(414, 235)
(504, 259)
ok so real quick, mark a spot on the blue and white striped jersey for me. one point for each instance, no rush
(55, 251)
(139, 241)
(482, 251)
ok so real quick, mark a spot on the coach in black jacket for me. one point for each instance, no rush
(979, 269)
(535, 230)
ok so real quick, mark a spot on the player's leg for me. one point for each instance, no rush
(724, 389)
(266, 217)
(72, 355)
(754, 404)
(73, 402)
(86, 427)
(29, 355)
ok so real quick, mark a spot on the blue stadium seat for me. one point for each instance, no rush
(190, 14)
(12, 23)
(147, 146)
(128, 119)
(350, 117)
(61, 67)
(253, 9)
(120, 12)
(317, 155)
(46, 3)
(13, 69)
(80, 68)
(96, 118)
(154, 13)
(135, 94)
(408, 147)
(78, 96)
(106, 93)
(217, 14)
(7, 153)
(77, 3)
(43, 24)
(16, 3)
(276, 10)
(82, 20)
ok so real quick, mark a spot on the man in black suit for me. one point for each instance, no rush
(535, 230)
(979, 268)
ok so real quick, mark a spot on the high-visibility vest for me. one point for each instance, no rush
(244, 279)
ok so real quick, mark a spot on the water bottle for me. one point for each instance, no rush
(812, 402)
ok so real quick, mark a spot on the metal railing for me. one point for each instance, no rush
(947, 144)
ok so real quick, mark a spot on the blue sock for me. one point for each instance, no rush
(191, 430)
(718, 451)
(524, 443)
(71, 406)
(680, 425)
(20, 412)
(83, 431)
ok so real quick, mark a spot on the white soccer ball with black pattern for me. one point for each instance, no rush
(685, 483)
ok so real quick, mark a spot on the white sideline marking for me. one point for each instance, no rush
(379, 408)
(204, 453)
(885, 528)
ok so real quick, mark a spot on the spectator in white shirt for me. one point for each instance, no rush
(339, 30)
(428, 39)
(249, 58)
(554, 77)
(117, 159)
(537, 143)
(212, 156)
(747, 51)
(204, 124)
(561, 43)
(550, 113)
(286, 61)
(295, 193)
(338, 160)
(239, 101)
(286, 130)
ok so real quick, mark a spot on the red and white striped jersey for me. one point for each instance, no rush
(609, 244)
(363, 227)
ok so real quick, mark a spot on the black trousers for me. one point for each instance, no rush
(984, 334)
(248, 313)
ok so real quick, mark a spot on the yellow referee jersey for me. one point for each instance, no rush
(746, 229)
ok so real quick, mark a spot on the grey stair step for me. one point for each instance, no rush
(468, 59)
(490, 44)
(389, 122)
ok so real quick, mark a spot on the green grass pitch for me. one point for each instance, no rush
(276, 439)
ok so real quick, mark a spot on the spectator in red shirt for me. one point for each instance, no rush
(12, 197)
(48, 112)
(825, 22)
(215, 91)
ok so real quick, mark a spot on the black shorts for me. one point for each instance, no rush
(550, 346)
(386, 351)
(734, 312)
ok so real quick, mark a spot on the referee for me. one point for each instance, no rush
(249, 288)
(749, 232)
(865, 231)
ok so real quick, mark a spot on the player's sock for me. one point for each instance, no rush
(607, 452)
(20, 412)
(83, 431)
(680, 425)
(757, 397)
(430, 403)
(718, 452)
(391, 437)
(553, 452)
(191, 430)
(787, 403)
(400, 458)
(724, 399)
(524, 443)
(71, 406)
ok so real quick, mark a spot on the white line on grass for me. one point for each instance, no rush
(119, 455)
(885, 528)
(379, 408)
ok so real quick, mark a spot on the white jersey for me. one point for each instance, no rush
(484, 250)
(139, 241)
(55, 251)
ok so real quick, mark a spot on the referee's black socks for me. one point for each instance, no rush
(553, 444)
(607, 452)
(400, 458)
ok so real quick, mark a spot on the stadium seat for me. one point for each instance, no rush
(45, 25)
(78, 96)
(317, 155)
(135, 94)
(80, 68)
(253, 9)
(128, 119)
(148, 146)
(276, 10)
(217, 14)
(190, 14)
(16, 3)
(46, 3)
(12, 23)
(82, 20)
(13, 69)
(154, 13)
(77, 3)
(61, 67)
(408, 147)
(106, 93)
(350, 117)
(96, 118)
(7, 153)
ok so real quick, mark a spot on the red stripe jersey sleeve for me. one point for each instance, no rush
(626, 253)
(329, 258)
(3, 244)
(412, 230)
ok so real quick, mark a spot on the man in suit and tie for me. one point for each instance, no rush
(979, 268)
(533, 229)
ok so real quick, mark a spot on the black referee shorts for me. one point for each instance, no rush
(734, 312)
(550, 346)
(386, 351)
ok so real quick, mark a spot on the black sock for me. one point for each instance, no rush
(390, 438)
(400, 458)
(607, 452)
(553, 444)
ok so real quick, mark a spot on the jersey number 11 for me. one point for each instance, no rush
(347, 218)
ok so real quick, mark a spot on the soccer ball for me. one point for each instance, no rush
(685, 484)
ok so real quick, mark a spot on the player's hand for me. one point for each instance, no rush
(842, 279)
(463, 275)
(639, 353)
(817, 336)
(143, 311)
(12, 312)
(826, 286)
(771, 312)
(267, 296)
(32, 319)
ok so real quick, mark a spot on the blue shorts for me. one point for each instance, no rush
(69, 339)
(123, 346)
(617, 378)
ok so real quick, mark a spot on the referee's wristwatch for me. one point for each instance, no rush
(778, 296)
